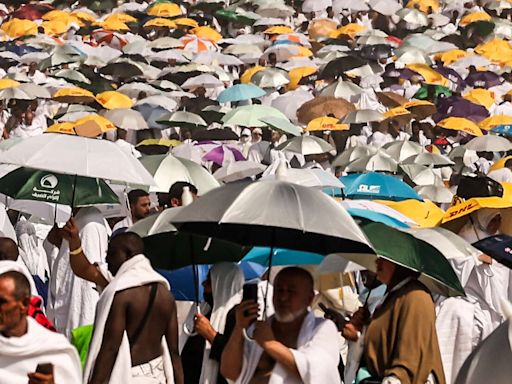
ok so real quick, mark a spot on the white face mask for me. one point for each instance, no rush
(244, 139)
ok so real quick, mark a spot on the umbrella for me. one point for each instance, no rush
(71, 75)
(205, 80)
(92, 126)
(238, 170)
(494, 121)
(282, 256)
(482, 97)
(455, 106)
(372, 206)
(182, 119)
(75, 155)
(421, 109)
(324, 106)
(73, 95)
(421, 175)
(425, 213)
(321, 28)
(401, 150)
(435, 193)
(326, 123)
(215, 134)
(168, 169)
(352, 154)
(406, 250)
(223, 155)
(19, 27)
(126, 119)
(344, 89)
(290, 102)
(251, 115)
(240, 92)
(270, 78)
(114, 100)
(429, 159)
(489, 143)
(55, 188)
(362, 116)
(460, 124)
(306, 145)
(162, 241)
(379, 162)
(226, 213)
(338, 66)
(15, 93)
(483, 79)
(311, 177)
(377, 186)
(391, 99)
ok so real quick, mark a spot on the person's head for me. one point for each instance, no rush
(272, 59)
(139, 204)
(14, 302)
(369, 279)
(121, 248)
(293, 294)
(330, 12)
(32, 67)
(8, 249)
(508, 164)
(488, 221)
(224, 280)
(245, 136)
(256, 135)
(176, 191)
(391, 274)
(276, 136)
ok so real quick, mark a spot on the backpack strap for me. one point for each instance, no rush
(144, 320)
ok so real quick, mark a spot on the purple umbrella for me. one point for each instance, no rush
(404, 73)
(222, 155)
(453, 76)
(483, 79)
(455, 106)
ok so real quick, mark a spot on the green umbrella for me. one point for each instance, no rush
(282, 125)
(422, 93)
(182, 119)
(169, 249)
(235, 17)
(251, 115)
(406, 250)
(56, 188)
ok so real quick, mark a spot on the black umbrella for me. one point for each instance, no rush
(335, 68)
(376, 52)
(214, 134)
(499, 247)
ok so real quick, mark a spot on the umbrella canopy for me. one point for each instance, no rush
(326, 123)
(282, 125)
(215, 134)
(425, 213)
(240, 92)
(362, 116)
(372, 206)
(92, 125)
(324, 106)
(313, 177)
(251, 115)
(460, 124)
(376, 186)
(435, 193)
(55, 188)
(126, 119)
(306, 145)
(352, 154)
(379, 162)
(404, 249)
(238, 170)
(223, 155)
(75, 155)
(168, 169)
(114, 100)
(234, 212)
(401, 150)
(421, 175)
(489, 143)
(182, 119)
(429, 159)
(270, 78)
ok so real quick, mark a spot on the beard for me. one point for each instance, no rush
(288, 317)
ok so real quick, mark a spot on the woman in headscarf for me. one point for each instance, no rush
(400, 342)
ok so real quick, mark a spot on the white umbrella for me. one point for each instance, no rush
(270, 78)
(243, 49)
(421, 175)
(179, 55)
(351, 154)
(238, 170)
(205, 80)
(429, 159)
(413, 16)
(160, 101)
(289, 102)
(344, 89)
(385, 7)
(310, 177)
(168, 169)
(315, 5)
(211, 57)
(401, 150)
(134, 89)
(189, 151)
(76, 155)
(15, 93)
(306, 145)
(412, 56)
(362, 116)
(380, 162)
(264, 21)
(489, 143)
(435, 193)
(126, 118)
(165, 43)
(373, 206)
(353, 5)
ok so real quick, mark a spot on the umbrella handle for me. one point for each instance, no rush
(246, 336)
(186, 330)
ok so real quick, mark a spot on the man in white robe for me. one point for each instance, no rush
(291, 347)
(24, 343)
(71, 300)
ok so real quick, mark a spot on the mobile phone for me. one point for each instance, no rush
(250, 292)
(45, 368)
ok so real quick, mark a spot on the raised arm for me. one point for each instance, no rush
(171, 338)
(77, 259)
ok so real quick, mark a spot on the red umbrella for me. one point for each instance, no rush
(31, 11)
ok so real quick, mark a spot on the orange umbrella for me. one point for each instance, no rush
(452, 56)
(160, 22)
(278, 30)
(481, 96)
(350, 30)
(472, 17)
(73, 95)
(165, 10)
(114, 100)
(186, 22)
(495, 120)
(326, 123)
(248, 74)
(321, 28)
(460, 124)
(66, 128)
(122, 17)
(93, 125)
(207, 33)
(19, 28)
(297, 74)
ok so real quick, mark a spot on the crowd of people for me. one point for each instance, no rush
(398, 112)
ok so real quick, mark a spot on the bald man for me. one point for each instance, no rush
(136, 310)
(291, 347)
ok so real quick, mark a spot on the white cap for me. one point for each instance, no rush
(246, 132)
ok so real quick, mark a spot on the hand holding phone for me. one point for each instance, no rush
(250, 293)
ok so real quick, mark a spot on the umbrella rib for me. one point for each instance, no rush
(301, 216)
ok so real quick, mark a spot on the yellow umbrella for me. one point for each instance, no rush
(303, 52)
(500, 163)
(186, 22)
(297, 74)
(55, 27)
(481, 96)
(165, 10)
(114, 100)
(472, 17)
(160, 22)
(93, 125)
(85, 16)
(113, 25)
(460, 124)
(326, 123)
(452, 56)
(207, 33)
(424, 5)
(425, 213)
(162, 142)
(497, 50)
(249, 73)
(278, 30)
(464, 208)
(396, 112)
(66, 128)
(495, 120)
(430, 76)
(19, 28)
(321, 28)
(73, 95)
(56, 14)
(351, 30)
(8, 83)
(122, 17)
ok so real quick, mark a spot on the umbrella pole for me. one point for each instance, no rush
(195, 279)
(72, 196)
(264, 315)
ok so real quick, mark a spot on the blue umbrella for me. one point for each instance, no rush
(377, 217)
(373, 186)
(349, 179)
(503, 130)
(240, 92)
(282, 256)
